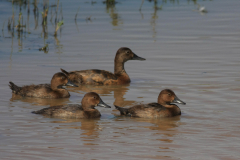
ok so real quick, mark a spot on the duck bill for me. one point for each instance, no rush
(135, 57)
(102, 104)
(69, 83)
(177, 100)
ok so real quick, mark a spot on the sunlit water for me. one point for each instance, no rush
(194, 54)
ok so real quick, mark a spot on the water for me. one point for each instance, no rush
(194, 54)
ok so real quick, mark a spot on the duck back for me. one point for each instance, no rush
(93, 76)
(70, 111)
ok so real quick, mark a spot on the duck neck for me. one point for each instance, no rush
(120, 72)
(91, 113)
(119, 68)
(88, 107)
(54, 87)
(175, 110)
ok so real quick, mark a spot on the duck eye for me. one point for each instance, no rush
(127, 52)
(94, 97)
(169, 94)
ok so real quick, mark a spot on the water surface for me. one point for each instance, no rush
(194, 54)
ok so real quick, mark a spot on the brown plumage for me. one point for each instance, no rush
(53, 90)
(76, 111)
(164, 107)
(102, 77)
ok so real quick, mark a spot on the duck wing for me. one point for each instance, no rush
(50, 111)
(95, 76)
(29, 90)
(156, 106)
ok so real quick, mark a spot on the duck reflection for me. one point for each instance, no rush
(90, 131)
(118, 92)
(40, 101)
(89, 127)
(164, 129)
(161, 132)
(162, 124)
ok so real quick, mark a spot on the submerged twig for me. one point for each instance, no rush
(88, 18)
(3, 25)
(158, 8)
(44, 17)
(45, 48)
(76, 14)
(61, 12)
(56, 12)
(141, 5)
(19, 26)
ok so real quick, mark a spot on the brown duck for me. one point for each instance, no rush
(76, 111)
(164, 107)
(102, 77)
(53, 90)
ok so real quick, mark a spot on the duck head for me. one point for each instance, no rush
(60, 79)
(167, 96)
(92, 100)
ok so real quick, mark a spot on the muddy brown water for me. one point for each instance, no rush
(196, 55)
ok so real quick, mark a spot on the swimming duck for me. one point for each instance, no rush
(76, 111)
(164, 107)
(102, 77)
(53, 90)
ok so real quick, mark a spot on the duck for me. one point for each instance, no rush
(165, 107)
(53, 90)
(76, 111)
(102, 77)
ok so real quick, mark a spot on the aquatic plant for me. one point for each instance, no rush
(59, 24)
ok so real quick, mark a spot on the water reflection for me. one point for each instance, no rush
(159, 6)
(59, 46)
(35, 13)
(22, 27)
(112, 11)
(167, 130)
(153, 19)
(160, 133)
(19, 22)
(162, 124)
(76, 19)
(40, 101)
(89, 128)
(118, 91)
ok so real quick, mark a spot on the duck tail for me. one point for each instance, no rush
(14, 87)
(41, 111)
(65, 72)
(123, 111)
(36, 112)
